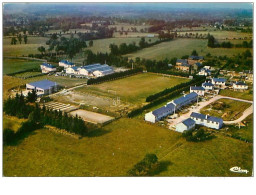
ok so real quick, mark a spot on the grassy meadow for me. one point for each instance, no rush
(246, 95)
(11, 65)
(180, 47)
(226, 109)
(114, 149)
(135, 88)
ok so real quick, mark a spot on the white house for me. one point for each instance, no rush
(73, 70)
(97, 70)
(43, 87)
(240, 86)
(208, 86)
(219, 82)
(185, 125)
(46, 68)
(204, 72)
(159, 113)
(66, 64)
(199, 90)
(184, 100)
(206, 120)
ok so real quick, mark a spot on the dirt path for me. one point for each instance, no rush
(201, 105)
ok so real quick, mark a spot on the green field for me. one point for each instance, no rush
(12, 123)
(227, 109)
(113, 150)
(23, 49)
(11, 82)
(27, 74)
(15, 65)
(134, 89)
(180, 47)
(247, 95)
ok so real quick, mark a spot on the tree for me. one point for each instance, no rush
(194, 53)
(211, 41)
(41, 49)
(20, 38)
(25, 37)
(91, 43)
(32, 96)
(13, 41)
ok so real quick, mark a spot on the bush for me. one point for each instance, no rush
(8, 136)
(197, 135)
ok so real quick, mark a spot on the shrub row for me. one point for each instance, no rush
(170, 90)
(182, 74)
(113, 76)
(22, 71)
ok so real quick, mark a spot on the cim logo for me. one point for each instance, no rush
(238, 170)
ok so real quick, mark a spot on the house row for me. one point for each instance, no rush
(46, 68)
(66, 64)
(199, 119)
(97, 70)
(171, 107)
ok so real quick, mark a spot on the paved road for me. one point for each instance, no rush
(201, 105)
(66, 90)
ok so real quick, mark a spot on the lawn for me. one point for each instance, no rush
(23, 49)
(226, 109)
(180, 47)
(14, 65)
(133, 89)
(11, 82)
(247, 95)
(113, 150)
(11, 122)
(27, 74)
(245, 132)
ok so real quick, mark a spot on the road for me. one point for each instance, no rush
(201, 105)
(69, 89)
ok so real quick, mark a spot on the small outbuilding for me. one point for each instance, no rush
(185, 125)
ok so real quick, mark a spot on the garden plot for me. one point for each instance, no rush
(92, 117)
(60, 106)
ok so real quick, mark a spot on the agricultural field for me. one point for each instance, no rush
(14, 65)
(246, 95)
(180, 47)
(23, 49)
(133, 89)
(226, 109)
(120, 145)
(27, 74)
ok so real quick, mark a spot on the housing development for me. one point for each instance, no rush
(127, 90)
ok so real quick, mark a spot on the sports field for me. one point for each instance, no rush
(133, 89)
(180, 47)
(113, 150)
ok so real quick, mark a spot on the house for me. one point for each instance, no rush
(185, 125)
(206, 120)
(207, 86)
(184, 100)
(66, 64)
(240, 86)
(183, 67)
(197, 65)
(73, 70)
(46, 68)
(195, 59)
(207, 67)
(199, 90)
(219, 82)
(43, 87)
(181, 61)
(204, 72)
(159, 113)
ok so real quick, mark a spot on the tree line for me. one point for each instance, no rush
(172, 89)
(113, 76)
(19, 37)
(164, 98)
(227, 44)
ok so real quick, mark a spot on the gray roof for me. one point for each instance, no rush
(94, 67)
(219, 79)
(67, 62)
(163, 109)
(184, 61)
(240, 83)
(209, 118)
(207, 84)
(198, 64)
(44, 84)
(196, 57)
(206, 70)
(197, 88)
(48, 65)
(188, 122)
(183, 99)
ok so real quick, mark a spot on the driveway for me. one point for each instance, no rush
(201, 105)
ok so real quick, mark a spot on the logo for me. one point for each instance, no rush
(238, 170)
